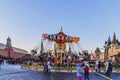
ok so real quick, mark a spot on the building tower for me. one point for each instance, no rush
(8, 43)
(9, 49)
(114, 41)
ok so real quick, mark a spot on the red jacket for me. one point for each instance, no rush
(86, 70)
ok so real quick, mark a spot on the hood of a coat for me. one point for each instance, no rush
(78, 65)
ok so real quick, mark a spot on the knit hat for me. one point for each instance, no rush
(78, 65)
(86, 63)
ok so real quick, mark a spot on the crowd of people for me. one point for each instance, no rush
(97, 66)
(80, 73)
(83, 73)
(85, 70)
(108, 68)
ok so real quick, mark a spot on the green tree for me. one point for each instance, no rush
(97, 50)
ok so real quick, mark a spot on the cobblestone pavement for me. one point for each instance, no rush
(15, 72)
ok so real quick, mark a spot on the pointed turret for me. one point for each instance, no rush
(109, 39)
(8, 43)
(61, 30)
(114, 39)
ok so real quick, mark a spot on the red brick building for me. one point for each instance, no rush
(12, 52)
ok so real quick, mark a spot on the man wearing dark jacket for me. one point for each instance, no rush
(109, 68)
(99, 66)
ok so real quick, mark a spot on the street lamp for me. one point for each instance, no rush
(107, 46)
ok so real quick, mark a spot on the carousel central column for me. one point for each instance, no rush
(55, 55)
(59, 53)
(63, 53)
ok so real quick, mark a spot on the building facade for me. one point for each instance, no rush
(8, 51)
(114, 50)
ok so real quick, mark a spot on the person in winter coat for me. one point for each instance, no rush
(79, 72)
(49, 66)
(96, 66)
(99, 65)
(45, 67)
(109, 68)
(86, 71)
(107, 64)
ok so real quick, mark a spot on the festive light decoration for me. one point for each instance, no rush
(60, 40)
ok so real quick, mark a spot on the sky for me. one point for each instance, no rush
(91, 20)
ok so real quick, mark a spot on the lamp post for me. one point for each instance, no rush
(107, 46)
(106, 54)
